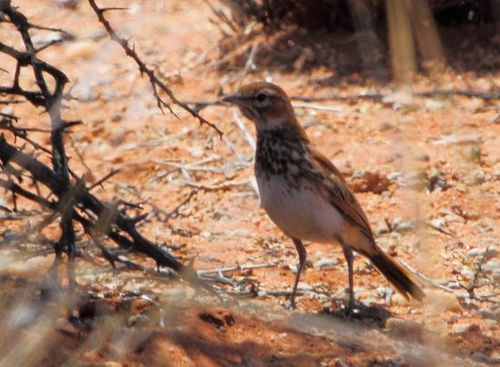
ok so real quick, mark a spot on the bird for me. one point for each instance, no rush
(304, 194)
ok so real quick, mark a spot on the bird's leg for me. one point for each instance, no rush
(349, 258)
(301, 250)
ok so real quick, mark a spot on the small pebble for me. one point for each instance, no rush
(476, 178)
(340, 295)
(488, 252)
(434, 104)
(205, 234)
(358, 174)
(453, 285)
(495, 356)
(395, 176)
(398, 300)
(486, 224)
(395, 235)
(496, 170)
(493, 314)
(481, 357)
(464, 328)
(467, 273)
(70, 4)
(437, 180)
(325, 263)
(402, 226)
(438, 223)
(305, 287)
(479, 176)
(386, 293)
(196, 152)
(382, 229)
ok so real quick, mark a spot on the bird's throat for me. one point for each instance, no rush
(280, 151)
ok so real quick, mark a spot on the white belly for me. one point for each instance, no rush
(299, 214)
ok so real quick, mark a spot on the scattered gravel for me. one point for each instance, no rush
(386, 293)
(491, 313)
(477, 177)
(437, 180)
(481, 357)
(396, 176)
(401, 226)
(382, 229)
(464, 328)
(325, 263)
(489, 252)
(492, 268)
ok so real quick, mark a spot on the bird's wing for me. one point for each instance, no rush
(339, 194)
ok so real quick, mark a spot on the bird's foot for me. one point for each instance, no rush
(353, 309)
(358, 310)
(291, 305)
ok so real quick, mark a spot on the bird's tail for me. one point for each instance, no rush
(397, 275)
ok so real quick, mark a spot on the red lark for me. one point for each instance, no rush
(304, 194)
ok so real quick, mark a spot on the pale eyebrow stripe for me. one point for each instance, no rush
(270, 92)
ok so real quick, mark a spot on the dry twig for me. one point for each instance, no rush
(153, 79)
(68, 201)
(487, 95)
(51, 101)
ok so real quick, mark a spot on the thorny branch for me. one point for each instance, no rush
(51, 101)
(69, 202)
(474, 282)
(85, 200)
(144, 69)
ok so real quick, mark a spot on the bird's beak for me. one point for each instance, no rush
(234, 98)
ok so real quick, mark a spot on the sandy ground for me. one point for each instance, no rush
(425, 169)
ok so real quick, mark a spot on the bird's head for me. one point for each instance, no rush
(266, 104)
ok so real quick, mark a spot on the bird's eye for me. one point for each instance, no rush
(261, 97)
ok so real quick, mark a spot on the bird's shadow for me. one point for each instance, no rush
(369, 315)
